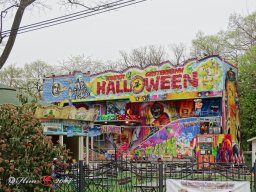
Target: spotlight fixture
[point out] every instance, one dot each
(199, 94)
(207, 94)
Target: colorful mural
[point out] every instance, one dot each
(232, 113)
(155, 82)
(67, 87)
(176, 138)
(224, 151)
(154, 116)
(159, 113)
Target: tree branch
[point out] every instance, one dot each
(2, 16)
(13, 35)
(14, 30)
(244, 30)
(80, 4)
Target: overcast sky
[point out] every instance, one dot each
(154, 22)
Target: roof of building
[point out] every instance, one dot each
(252, 139)
(8, 95)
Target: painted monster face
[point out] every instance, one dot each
(156, 110)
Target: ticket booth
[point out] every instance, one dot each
(205, 147)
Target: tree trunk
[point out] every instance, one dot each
(13, 35)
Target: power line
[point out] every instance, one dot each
(65, 16)
(46, 22)
(74, 16)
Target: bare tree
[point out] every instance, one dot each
(80, 63)
(142, 56)
(178, 51)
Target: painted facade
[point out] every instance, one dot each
(157, 110)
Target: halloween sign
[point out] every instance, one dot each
(155, 82)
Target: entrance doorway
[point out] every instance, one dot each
(72, 143)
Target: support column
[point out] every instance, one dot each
(87, 150)
(92, 148)
(81, 148)
(61, 140)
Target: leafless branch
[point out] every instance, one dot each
(179, 53)
(75, 2)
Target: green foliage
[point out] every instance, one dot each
(34, 73)
(206, 44)
(242, 31)
(24, 150)
(247, 89)
(9, 76)
(231, 43)
(29, 79)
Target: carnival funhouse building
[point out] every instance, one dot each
(160, 110)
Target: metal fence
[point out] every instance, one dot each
(119, 175)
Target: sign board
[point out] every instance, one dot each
(173, 185)
(63, 127)
(111, 129)
(52, 127)
(155, 82)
